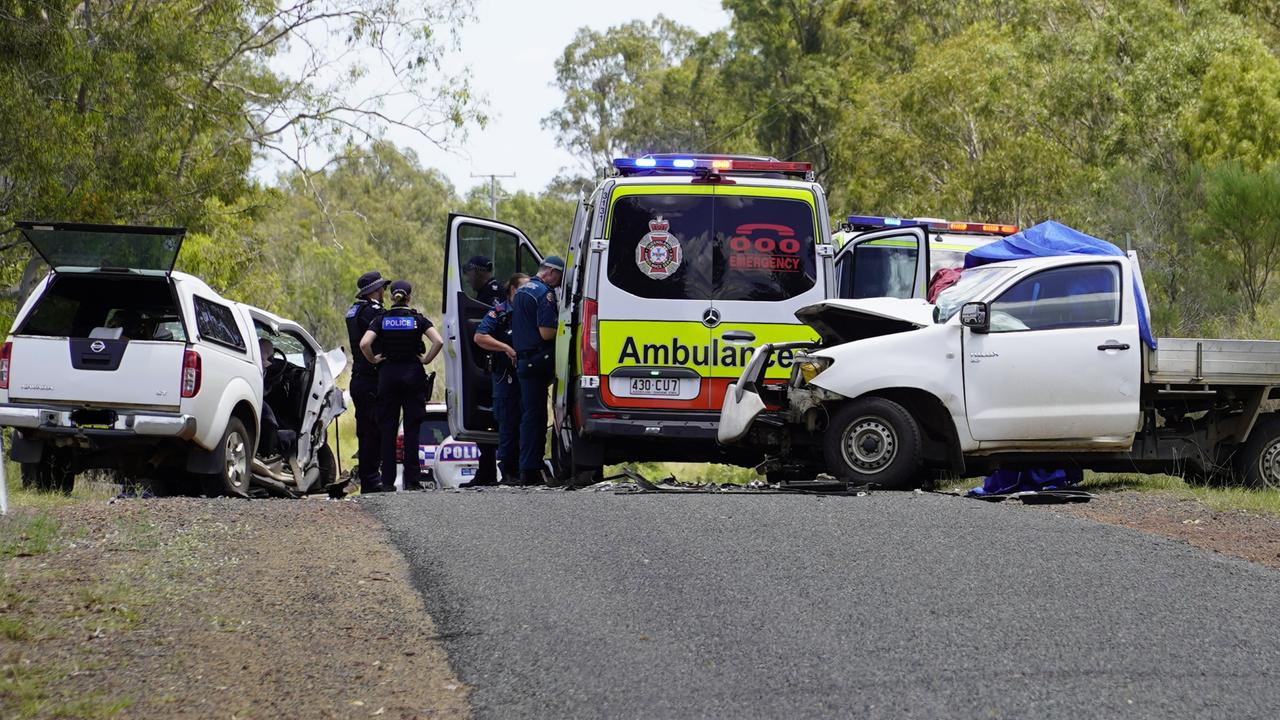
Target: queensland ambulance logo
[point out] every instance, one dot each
(658, 254)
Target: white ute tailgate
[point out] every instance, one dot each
(149, 374)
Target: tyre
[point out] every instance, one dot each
(235, 456)
(571, 472)
(327, 462)
(53, 473)
(874, 441)
(1257, 462)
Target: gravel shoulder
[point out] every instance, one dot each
(1237, 533)
(195, 608)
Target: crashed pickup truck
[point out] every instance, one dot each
(1029, 363)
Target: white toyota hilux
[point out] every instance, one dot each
(1035, 363)
(116, 361)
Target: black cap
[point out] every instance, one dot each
(478, 262)
(370, 282)
(401, 286)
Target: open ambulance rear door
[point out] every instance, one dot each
(468, 389)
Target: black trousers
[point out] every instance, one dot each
(402, 388)
(364, 393)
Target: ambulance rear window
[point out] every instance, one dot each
(703, 247)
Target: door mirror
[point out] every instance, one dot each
(975, 316)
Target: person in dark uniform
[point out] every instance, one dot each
(364, 378)
(479, 273)
(494, 335)
(533, 329)
(394, 342)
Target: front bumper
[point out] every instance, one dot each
(59, 421)
(743, 402)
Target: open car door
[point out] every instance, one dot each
(468, 389)
(885, 263)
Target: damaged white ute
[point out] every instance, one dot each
(1029, 363)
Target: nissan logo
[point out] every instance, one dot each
(97, 346)
(711, 317)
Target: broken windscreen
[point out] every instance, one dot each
(72, 247)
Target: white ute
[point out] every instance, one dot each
(116, 361)
(1032, 363)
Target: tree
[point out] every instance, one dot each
(1242, 226)
(1237, 114)
(603, 76)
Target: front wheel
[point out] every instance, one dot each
(874, 441)
(1257, 462)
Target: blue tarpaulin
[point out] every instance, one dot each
(1053, 239)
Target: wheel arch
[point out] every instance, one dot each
(942, 440)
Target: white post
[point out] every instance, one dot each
(4, 482)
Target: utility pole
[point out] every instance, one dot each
(493, 190)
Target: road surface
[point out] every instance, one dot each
(589, 604)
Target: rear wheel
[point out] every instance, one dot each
(234, 457)
(874, 441)
(53, 473)
(1257, 462)
(571, 471)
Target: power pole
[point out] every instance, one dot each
(493, 190)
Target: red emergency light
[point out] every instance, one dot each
(702, 164)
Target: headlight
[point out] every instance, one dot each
(811, 366)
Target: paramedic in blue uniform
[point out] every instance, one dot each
(479, 273)
(394, 342)
(534, 318)
(494, 336)
(364, 377)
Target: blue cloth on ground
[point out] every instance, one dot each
(1053, 239)
(1002, 482)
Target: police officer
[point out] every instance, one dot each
(479, 273)
(364, 378)
(394, 342)
(494, 335)
(533, 329)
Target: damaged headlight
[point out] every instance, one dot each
(810, 366)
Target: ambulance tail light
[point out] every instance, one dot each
(191, 372)
(590, 351)
(6, 359)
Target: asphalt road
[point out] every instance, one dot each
(560, 605)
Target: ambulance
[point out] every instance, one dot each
(677, 268)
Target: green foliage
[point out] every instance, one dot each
(1237, 116)
(1242, 227)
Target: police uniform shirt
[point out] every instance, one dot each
(399, 333)
(490, 293)
(493, 321)
(534, 307)
(359, 317)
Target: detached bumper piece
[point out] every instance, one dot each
(97, 423)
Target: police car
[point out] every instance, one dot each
(677, 268)
(445, 462)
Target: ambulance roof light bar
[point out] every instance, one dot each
(664, 164)
(875, 222)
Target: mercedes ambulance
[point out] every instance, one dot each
(677, 268)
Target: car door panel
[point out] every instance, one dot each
(468, 391)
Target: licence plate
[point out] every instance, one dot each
(655, 387)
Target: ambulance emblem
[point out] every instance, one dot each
(658, 254)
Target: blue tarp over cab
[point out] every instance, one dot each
(1053, 239)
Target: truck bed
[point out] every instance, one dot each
(1198, 361)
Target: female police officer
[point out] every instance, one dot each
(494, 335)
(394, 343)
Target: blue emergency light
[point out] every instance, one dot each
(660, 164)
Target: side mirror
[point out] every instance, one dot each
(975, 316)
